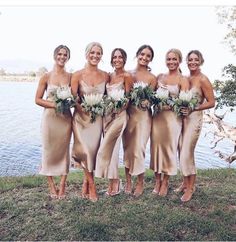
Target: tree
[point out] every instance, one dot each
(227, 16)
(226, 89)
(2, 72)
(41, 71)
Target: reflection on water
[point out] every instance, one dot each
(20, 140)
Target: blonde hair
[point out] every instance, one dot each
(91, 45)
(177, 52)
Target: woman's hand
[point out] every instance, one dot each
(145, 104)
(186, 111)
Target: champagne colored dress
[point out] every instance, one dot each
(192, 126)
(135, 138)
(87, 135)
(56, 134)
(108, 153)
(165, 134)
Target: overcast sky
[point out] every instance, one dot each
(32, 33)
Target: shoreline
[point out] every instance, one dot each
(19, 78)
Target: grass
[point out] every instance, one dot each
(27, 213)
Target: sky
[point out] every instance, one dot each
(30, 33)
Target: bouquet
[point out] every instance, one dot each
(64, 99)
(94, 104)
(160, 98)
(186, 99)
(115, 101)
(141, 95)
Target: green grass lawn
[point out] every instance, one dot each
(27, 212)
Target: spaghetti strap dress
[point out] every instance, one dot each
(56, 134)
(108, 153)
(165, 134)
(87, 135)
(192, 126)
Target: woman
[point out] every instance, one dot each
(114, 125)
(166, 126)
(203, 90)
(56, 127)
(138, 127)
(87, 135)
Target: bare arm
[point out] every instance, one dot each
(75, 83)
(207, 89)
(153, 83)
(42, 87)
(184, 84)
(128, 82)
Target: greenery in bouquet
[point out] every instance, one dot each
(141, 95)
(64, 100)
(94, 105)
(160, 98)
(115, 101)
(186, 99)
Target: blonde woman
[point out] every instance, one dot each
(87, 135)
(166, 126)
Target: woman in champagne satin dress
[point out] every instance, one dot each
(56, 127)
(166, 126)
(202, 88)
(138, 128)
(87, 135)
(114, 125)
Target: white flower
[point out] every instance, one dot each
(92, 99)
(162, 93)
(186, 95)
(117, 94)
(140, 84)
(64, 92)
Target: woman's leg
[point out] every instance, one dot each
(157, 187)
(115, 187)
(164, 186)
(183, 186)
(128, 184)
(92, 187)
(139, 185)
(190, 188)
(62, 188)
(52, 187)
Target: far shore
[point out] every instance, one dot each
(19, 78)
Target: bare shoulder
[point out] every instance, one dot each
(204, 78)
(77, 76)
(184, 79)
(44, 78)
(152, 76)
(105, 75)
(127, 74)
(160, 76)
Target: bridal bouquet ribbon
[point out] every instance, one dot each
(115, 101)
(93, 104)
(141, 95)
(185, 99)
(64, 99)
(160, 98)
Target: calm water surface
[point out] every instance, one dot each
(20, 138)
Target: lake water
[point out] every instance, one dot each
(20, 138)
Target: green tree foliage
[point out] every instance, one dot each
(227, 17)
(226, 90)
